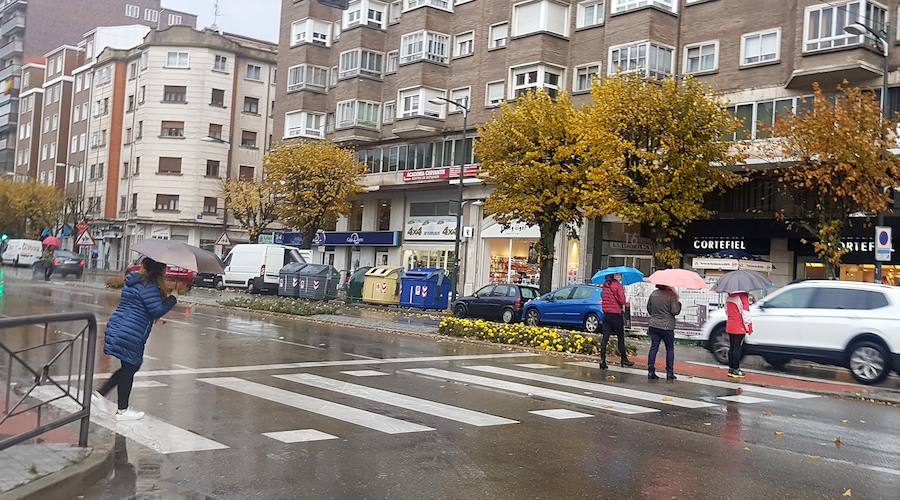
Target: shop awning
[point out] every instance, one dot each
(515, 230)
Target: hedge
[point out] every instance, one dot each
(279, 305)
(117, 282)
(541, 337)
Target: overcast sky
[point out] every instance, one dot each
(255, 18)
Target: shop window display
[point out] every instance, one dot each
(442, 259)
(514, 261)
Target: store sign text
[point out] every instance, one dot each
(431, 228)
(727, 244)
(438, 174)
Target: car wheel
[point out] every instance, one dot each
(251, 287)
(533, 317)
(219, 285)
(719, 345)
(459, 310)
(777, 361)
(508, 316)
(79, 275)
(592, 323)
(868, 362)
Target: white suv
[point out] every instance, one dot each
(850, 324)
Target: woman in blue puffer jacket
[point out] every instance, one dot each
(145, 299)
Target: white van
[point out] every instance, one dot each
(255, 266)
(22, 252)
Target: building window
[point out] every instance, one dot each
(140, 129)
(132, 11)
(418, 102)
(540, 16)
(311, 31)
(824, 24)
(212, 168)
(246, 173)
(251, 105)
(178, 60)
(360, 62)
(174, 19)
(438, 4)
(375, 14)
(495, 94)
(167, 202)
(130, 107)
(134, 198)
(172, 93)
(390, 111)
(248, 139)
(647, 59)
(584, 77)
(132, 70)
(143, 94)
(464, 44)
(145, 63)
(151, 15)
(760, 47)
(172, 129)
(358, 114)
(532, 78)
(217, 98)
(254, 72)
(368, 12)
(393, 60)
(129, 135)
(104, 75)
(304, 124)
(499, 36)
(758, 118)
(215, 131)
(210, 205)
(221, 64)
(169, 165)
(137, 167)
(424, 45)
(701, 57)
(626, 5)
(590, 13)
(304, 75)
(460, 96)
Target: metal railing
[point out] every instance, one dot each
(71, 362)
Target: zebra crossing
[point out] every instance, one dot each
(337, 399)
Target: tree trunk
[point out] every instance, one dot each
(254, 236)
(308, 239)
(546, 249)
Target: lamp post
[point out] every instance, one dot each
(882, 37)
(454, 285)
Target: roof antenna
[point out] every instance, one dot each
(216, 13)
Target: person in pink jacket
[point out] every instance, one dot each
(738, 324)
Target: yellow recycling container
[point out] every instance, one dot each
(382, 285)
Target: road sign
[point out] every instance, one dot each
(883, 243)
(84, 240)
(81, 227)
(224, 240)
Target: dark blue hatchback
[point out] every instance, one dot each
(495, 302)
(575, 306)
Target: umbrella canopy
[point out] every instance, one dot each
(51, 241)
(630, 275)
(175, 253)
(678, 278)
(742, 281)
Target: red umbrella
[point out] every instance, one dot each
(52, 241)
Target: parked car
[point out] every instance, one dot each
(173, 273)
(209, 280)
(22, 252)
(66, 263)
(571, 306)
(495, 302)
(841, 323)
(255, 266)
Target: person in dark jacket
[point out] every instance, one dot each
(613, 304)
(144, 300)
(662, 306)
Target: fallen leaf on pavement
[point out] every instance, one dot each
(610, 377)
(707, 423)
(844, 421)
(767, 413)
(837, 441)
(847, 493)
(779, 433)
(667, 398)
(739, 391)
(812, 457)
(746, 449)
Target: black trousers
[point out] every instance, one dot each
(613, 324)
(736, 343)
(122, 379)
(667, 337)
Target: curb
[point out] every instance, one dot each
(73, 480)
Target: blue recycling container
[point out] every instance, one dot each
(425, 288)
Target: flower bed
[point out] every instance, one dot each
(285, 306)
(548, 339)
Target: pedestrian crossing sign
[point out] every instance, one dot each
(84, 240)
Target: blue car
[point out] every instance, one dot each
(576, 306)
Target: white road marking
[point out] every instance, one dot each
(150, 431)
(536, 366)
(265, 338)
(744, 399)
(425, 406)
(176, 365)
(299, 436)
(788, 375)
(592, 386)
(167, 320)
(560, 414)
(533, 390)
(360, 356)
(710, 382)
(364, 373)
(320, 364)
(337, 411)
(147, 384)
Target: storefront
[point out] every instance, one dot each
(858, 264)
(510, 254)
(429, 236)
(624, 245)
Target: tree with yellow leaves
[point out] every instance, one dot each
(529, 154)
(26, 208)
(836, 160)
(253, 204)
(653, 152)
(314, 181)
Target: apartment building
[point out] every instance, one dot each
(29, 29)
(372, 77)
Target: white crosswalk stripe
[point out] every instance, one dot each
(560, 414)
(336, 411)
(533, 390)
(744, 399)
(299, 436)
(400, 400)
(714, 383)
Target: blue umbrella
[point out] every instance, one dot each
(630, 275)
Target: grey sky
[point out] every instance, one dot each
(254, 18)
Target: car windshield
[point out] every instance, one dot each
(528, 293)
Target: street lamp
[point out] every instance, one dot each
(882, 37)
(456, 265)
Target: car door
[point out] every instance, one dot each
(553, 311)
(780, 317)
(499, 300)
(477, 305)
(577, 306)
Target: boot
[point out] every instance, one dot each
(603, 365)
(671, 376)
(627, 362)
(651, 375)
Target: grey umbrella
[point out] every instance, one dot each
(742, 281)
(175, 253)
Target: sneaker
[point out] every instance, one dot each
(101, 403)
(735, 374)
(128, 414)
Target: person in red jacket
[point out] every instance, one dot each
(613, 304)
(737, 309)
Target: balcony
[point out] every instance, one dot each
(11, 70)
(17, 22)
(858, 65)
(7, 121)
(10, 49)
(418, 126)
(354, 135)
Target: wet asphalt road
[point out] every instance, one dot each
(444, 427)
